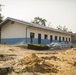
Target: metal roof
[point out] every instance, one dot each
(32, 24)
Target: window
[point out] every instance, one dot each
(69, 39)
(59, 39)
(12, 22)
(32, 35)
(63, 39)
(45, 36)
(51, 38)
(55, 37)
(66, 39)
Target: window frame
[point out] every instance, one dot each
(66, 39)
(63, 38)
(32, 35)
(56, 38)
(69, 39)
(12, 22)
(59, 38)
(51, 38)
(46, 36)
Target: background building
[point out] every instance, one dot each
(74, 37)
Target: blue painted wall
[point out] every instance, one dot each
(18, 40)
(35, 40)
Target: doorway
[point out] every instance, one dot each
(39, 38)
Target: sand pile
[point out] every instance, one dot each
(55, 58)
(6, 57)
(35, 64)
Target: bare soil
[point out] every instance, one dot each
(23, 61)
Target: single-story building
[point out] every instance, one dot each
(73, 37)
(14, 31)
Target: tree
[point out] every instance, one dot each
(43, 22)
(65, 28)
(59, 27)
(1, 18)
(40, 21)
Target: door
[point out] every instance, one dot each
(51, 38)
(31, 37)
(59, 39)
(39, 38)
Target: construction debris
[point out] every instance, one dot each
(35, 64)
(55, 46)
(4, 70)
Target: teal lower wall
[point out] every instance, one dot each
(35, 40)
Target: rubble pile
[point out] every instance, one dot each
(4, 70)
(55, 58)
(55, 46)
(35, 64)
(6, 57)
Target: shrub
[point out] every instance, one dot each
(3, 42)
(37, 47)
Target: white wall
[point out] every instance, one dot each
(16, 30)
(43, 32)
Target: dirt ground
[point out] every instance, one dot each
(33, 62)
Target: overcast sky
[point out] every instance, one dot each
(58, 12)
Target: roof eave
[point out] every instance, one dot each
(34, 25)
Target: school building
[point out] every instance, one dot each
(14, 31)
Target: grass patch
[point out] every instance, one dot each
(37, 47)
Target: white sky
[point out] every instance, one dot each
(59, 12)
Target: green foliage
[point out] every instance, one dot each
(59, 27)
(40, 21)
(1, 18)
(37, 47)
(3, 42)
(64, 28)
